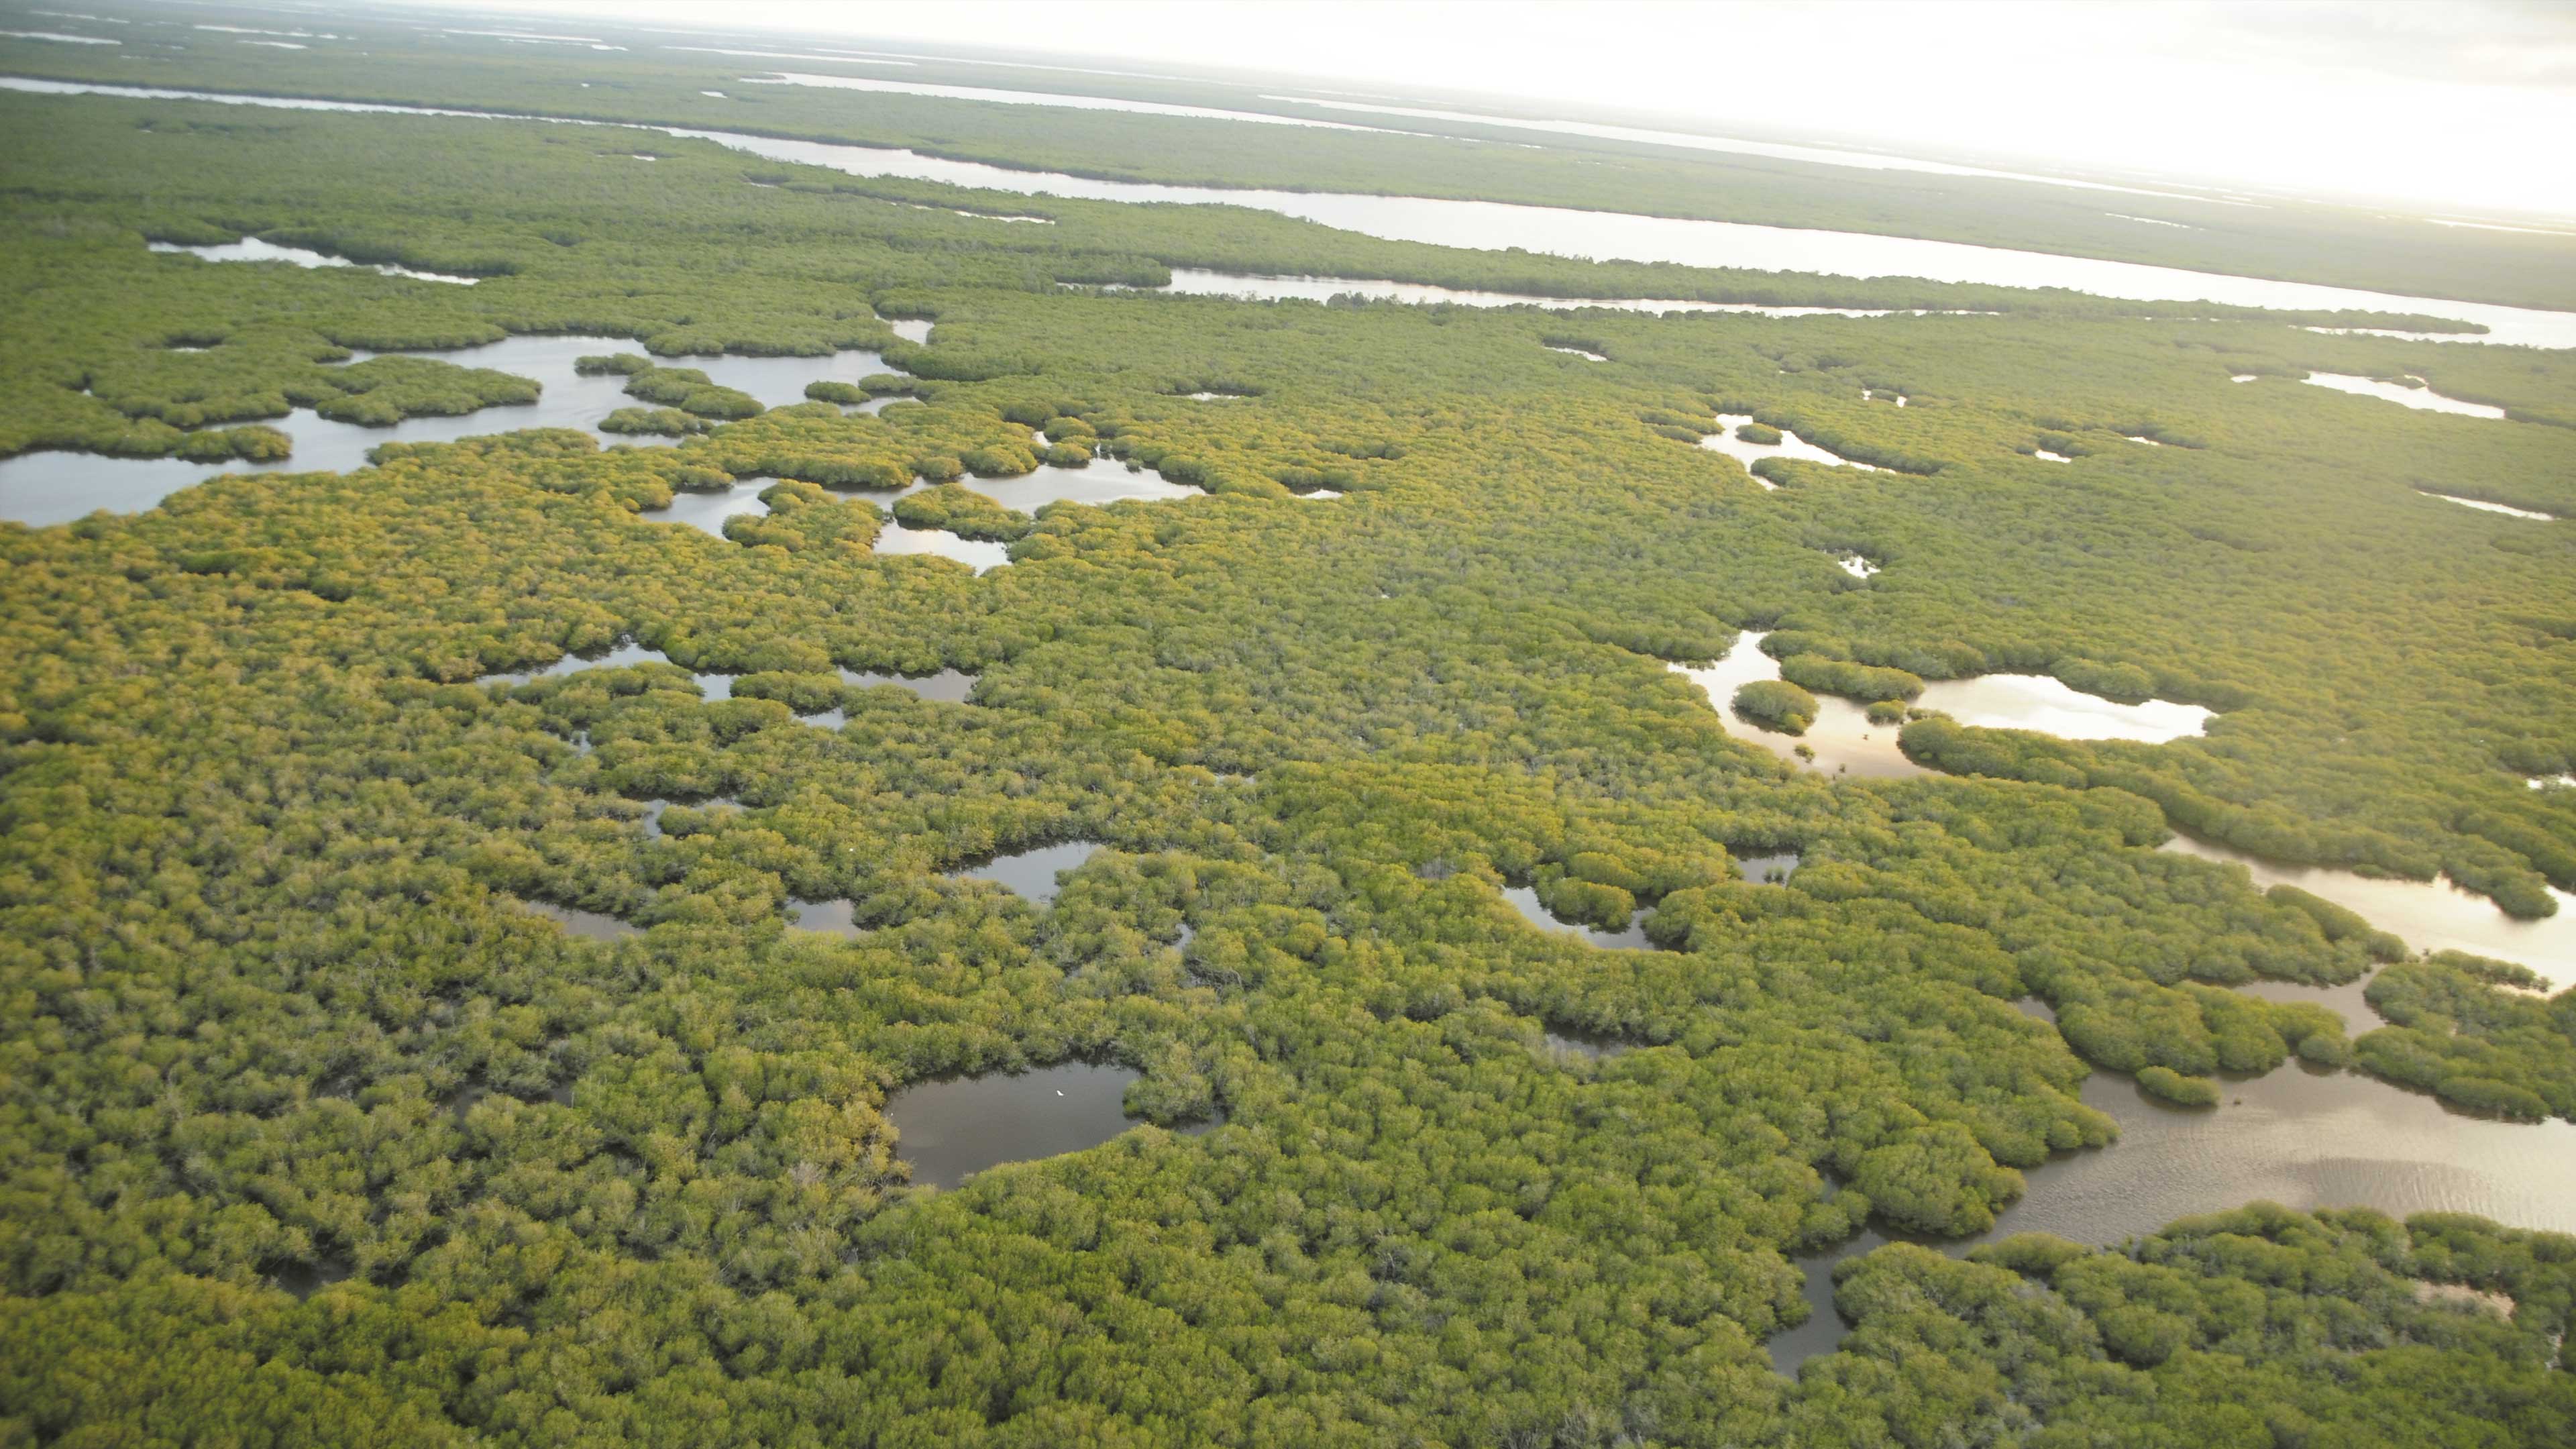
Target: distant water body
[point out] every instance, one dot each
(1491, 225)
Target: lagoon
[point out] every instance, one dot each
(950, 1130)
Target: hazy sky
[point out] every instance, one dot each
(2465, 104)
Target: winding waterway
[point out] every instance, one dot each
(1491, 225)
(1631, 937)
(1198, 282)
(2419, 396)
(252, 249)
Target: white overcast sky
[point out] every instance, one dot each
(2466, 105)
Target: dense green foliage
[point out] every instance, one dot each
(1776, 704)
(307, 1122)
(2174, 1087)
(2454, 1034)
(2247, 1330)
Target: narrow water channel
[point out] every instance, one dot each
(1631, 937)
(1191, 282)
(626, 654)
(252, 249)
(2418, 396)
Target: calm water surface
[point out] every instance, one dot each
(710, 686)
(1736, 145)
(981, 555)
(1033, 872)
(1101, 482)
(948, 685)
(1842, 740)
(777, 381)
(951, 1130)
(591, 925)
(1767, 869)
(2484, 506)
(56, 486)
(1790, 445)
(1046, 98)
(2397, 392)
(830, 918)
(1632, 938)
(2298, 1137)
(252, 249)
(1193, 282)
(707, 509)
(2038, 702)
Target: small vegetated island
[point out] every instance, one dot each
(463, 928)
